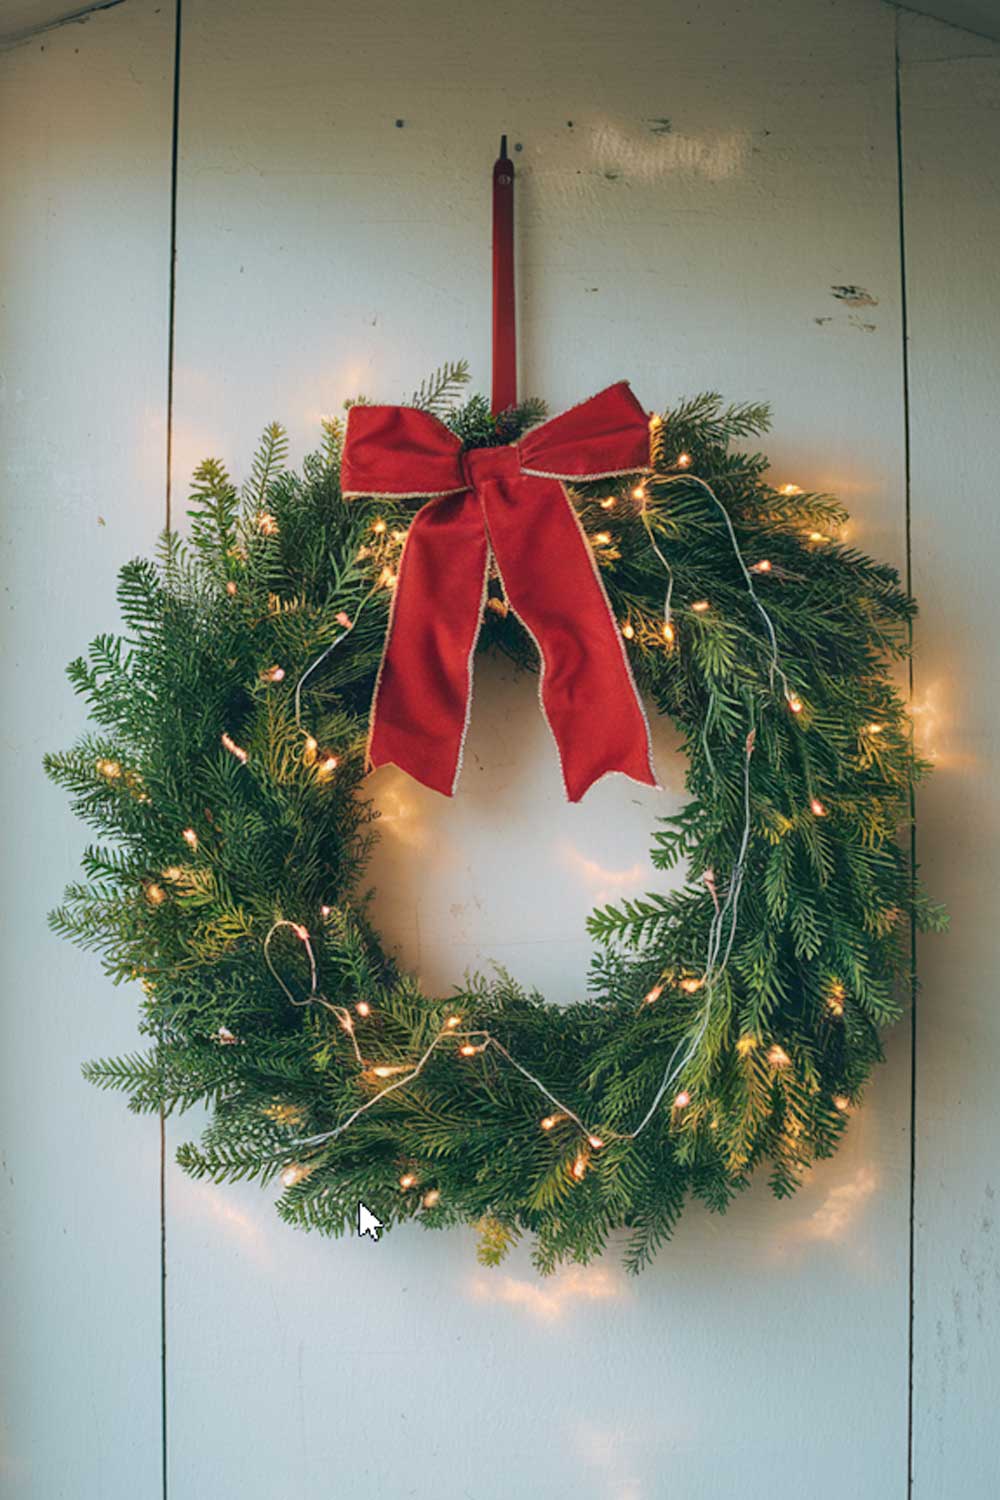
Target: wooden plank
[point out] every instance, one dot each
(694, 186)
(951, 136)
(85, 178)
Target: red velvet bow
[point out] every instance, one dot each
(504, 502)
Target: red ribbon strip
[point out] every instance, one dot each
(505, 502)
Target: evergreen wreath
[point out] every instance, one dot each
(231, 885)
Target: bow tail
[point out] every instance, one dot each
(421, 704)
(552, 584)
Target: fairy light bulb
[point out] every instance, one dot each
(683, 1100)
(398, 537)
(653, 995)
(764, 566)
(407, 1181)
(639, 493)
(595, 1141)
(237, 750)
(452, 1021)
(293, 1174)
(363, 1008)
(669, 633)
(329, 763)
(790, 489)
(628, 631)
(817, 536)
(343, 618)
(225, 1037)
(155, 894)
(602, 538)
(389, 1070)
(267, 524)
(817, 809)
(841, 1102)
(691, 986)
(794, 703)
(874, 728)
(190, 838)
(579, 1167)
(432, 1198)
(325, 911)
(273, 674)
(379, 527)
(230, 588)
(778, 1057)
(387, 578)
(609, 503)
(700, 606)
(172, 872)
(467, 1050)
(683, 460)
(655, 420)
(548, 1123)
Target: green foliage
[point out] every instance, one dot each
(821, 952)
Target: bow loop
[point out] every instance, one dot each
(400, 452)
(609, 434)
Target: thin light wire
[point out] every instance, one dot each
(345, 632)
(689, 1045)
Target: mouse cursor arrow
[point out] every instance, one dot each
(368, 1223)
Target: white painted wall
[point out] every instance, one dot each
(323, 250)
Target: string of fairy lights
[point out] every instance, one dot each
(388, 1078)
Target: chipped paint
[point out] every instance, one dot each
(854, 296)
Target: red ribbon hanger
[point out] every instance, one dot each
(507, 504)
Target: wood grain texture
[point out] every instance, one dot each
(693, 186)
(951, 135)
(84, 179)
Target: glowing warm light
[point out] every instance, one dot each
(683, 1100)
(817, 809)
(691, 986)
(293, 1174)
(329, 763)
(745, 1044)
(549, 1122)
(609, 503)
(669, 633)
(778, 1057)
(431, 1199)
(273, 674)
(683, 460)
(655, 419)
(764, 566)
(595, 1141)
(653, 995)
(841, 1102)
(190, 837)
(602, 538)
(230, 744)
(817, 536)
(874, 728)
(639, 493)
(790, 489)
(225, 1037)
(155, 894)
(628, 631)
(385, 1070)
(363, 1008)
(794, 703)
(387, 578)
(379, 527)
(452, 1021)
(468, 1050)
(700, 606)
(407, 1181)
(267, 524)
(300, 931)
(173, 872)
(110, 768)
(325, 911)
(579, 1167)
(399, 536)
(230, 588)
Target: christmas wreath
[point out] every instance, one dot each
(730, 1023)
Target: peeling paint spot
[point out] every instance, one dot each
(854, 296)
(660, 126)
(821, 321)
(860, 324)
